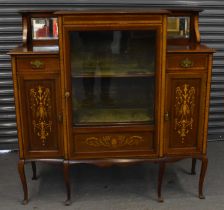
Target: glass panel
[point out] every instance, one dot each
(178, 27)
(45, 28)
(113, 76)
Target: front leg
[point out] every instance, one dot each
(22, 175)
(204, 164)
(160, 180)
(67, 182)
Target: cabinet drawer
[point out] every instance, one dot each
(37, 63)
(187, 61)
(112, 144)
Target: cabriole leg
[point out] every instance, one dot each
(160, 180)
(204, 164)
(22, 175)
(34, 169)
(67, 182)
(193, 166)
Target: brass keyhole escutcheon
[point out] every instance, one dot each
(186, 63)
(37, 64)
(67, 94)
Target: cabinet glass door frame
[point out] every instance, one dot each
(159, 71)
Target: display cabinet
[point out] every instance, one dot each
(106, 86)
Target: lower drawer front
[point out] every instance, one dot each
(113, 144)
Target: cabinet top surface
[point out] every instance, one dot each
(191, 48)
(36, 50)
(113, 11)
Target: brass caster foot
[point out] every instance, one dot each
(68, 202)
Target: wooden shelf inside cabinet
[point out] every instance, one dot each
(113, 116)
(92, 75)
(113, 124)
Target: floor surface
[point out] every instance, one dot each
(115, 188)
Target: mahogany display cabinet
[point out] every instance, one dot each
(111, 86)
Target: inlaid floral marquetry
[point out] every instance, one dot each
(184, 109)
(40, 98)
(114, 142)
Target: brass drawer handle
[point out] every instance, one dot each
(37, 64)
(186, 63)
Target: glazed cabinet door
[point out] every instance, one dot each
(41, 115)
(184, 113)
(112, 79)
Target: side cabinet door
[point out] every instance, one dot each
(184, 113)
(41, 115)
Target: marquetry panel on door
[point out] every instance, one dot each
(185, 99)
(41, 115)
